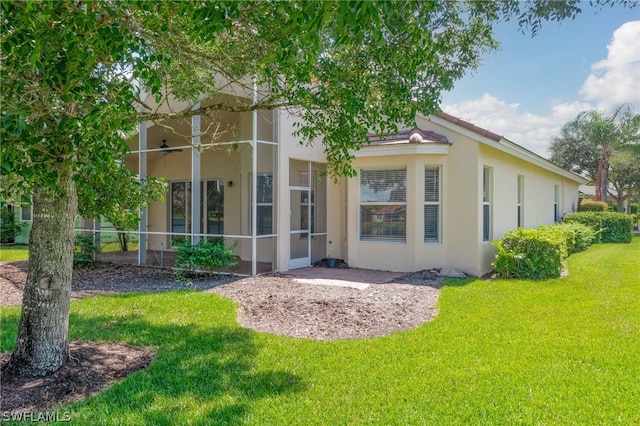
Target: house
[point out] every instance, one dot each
(429, 197)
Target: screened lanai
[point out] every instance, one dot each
(221, 176)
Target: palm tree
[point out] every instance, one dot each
(603, 134)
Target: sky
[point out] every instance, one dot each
(531, 87)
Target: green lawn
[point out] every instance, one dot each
(21, 252)
(14, 252)
(563, 351)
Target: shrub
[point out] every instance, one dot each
(561, 233)
(634, 208)
(590, 219)
(531, 254)
(593, 206)
(205, 256)
(84, 251)
(9, 228)
(584, 235)
(610, 227)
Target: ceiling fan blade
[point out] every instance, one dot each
(166, 149)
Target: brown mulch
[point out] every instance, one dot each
(93, 367)
(280, 305)
(272, 303)
(100, 278)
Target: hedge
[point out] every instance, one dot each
(592, 206)
(610, 227)
(531, 253)
(584, 235)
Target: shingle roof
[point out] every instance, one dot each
(479, 130)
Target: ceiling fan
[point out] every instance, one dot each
(166, 149)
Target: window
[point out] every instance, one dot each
(486, 203)
(25, 210)
(431, 204)
(556, 203)
(211, 205)
(520, 212)
(180, 205)
(264, 220)
(383, 207)
(212, 199)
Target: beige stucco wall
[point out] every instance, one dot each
(462, 246)
(414, 253)
(538, 199)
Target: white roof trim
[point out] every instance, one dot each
(401, 149)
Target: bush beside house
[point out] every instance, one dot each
(610, 227)
(539, 254)
(531, 253)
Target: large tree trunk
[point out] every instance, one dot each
(43, 343)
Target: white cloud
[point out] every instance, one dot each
(532, 131)
(616, 79)
(612, 81)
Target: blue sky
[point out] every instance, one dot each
(531, 87)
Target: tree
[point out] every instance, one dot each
(587, 143)
(72, 73)
(624, 176)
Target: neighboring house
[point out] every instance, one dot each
(429, 197)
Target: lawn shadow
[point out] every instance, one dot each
(203, 373)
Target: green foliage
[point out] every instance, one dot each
(583, 235)
(84, 251)
(594, 142)
(634, 208)
(593, 206)
(610, 227)
(9, 226)
(204, 256)
(531, 253)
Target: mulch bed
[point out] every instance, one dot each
(93, 367)
(283, 306)
(271, 303)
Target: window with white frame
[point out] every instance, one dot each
(556, 203)
(383, 204)
(431, 204)
(487, 182)
(520, 210)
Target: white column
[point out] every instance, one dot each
(254, 184)
(142, 174)
(196, 222)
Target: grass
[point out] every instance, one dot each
(14, 252)
(21, 252)
(561, 351)
(115, 246)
